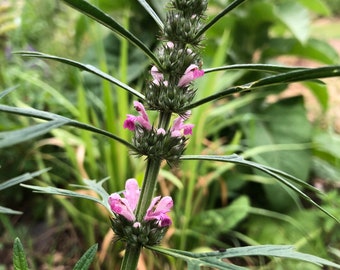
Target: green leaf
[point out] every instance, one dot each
(320, 92)
(254, 67)
(93, 12)
(277, 174)
(214, 259)
(86, 260)
(217, 221)
(295, 17)
(152, 13)
(318, 6)
(7, 91)
(15, 181)
(86, 67)
(8, 211)
(282, 78)
(19, 257)
(9, 138)
(89, 184)
(219, 16)
(313, 49)
(51, 116)
(22, 178)
(269, 127)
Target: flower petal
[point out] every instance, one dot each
(190, 74)
(129, 123)
(120, 206)
(132, 192)
(158, 207)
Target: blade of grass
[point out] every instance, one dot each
(229, 8)
(86, 67)
(98, 15)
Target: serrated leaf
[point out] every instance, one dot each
(215, 259)
(19, 257)
(85, 67)
(277, 174)
(86, 260)
(89, 184)
(9, 138)
(98, 15)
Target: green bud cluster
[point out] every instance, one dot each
(147, 233)
(158, 146)
(190, 7)
(181, 28)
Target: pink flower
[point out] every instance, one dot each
(156, 75)
(142, 119)
(190, 74)
(158, 209)
(179, 128)
(129, 123)
(126, 206)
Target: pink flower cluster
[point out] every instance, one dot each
(190, 74)
(126, 206)
(178, 129)
(142, 119)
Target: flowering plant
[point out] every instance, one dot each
(138, 217)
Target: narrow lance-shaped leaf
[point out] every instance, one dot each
(283, 78)
(9, 138)
(19, 257)
(89, 184)
(152, 13)
(9, 211)
(219, 16)
(214, 259)
(255, 67)
(15, 181)
(85, 67)
(86, 260)
(272, 172)
(104, 19)
(7, 91)
(51, 116)
(22, 178)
